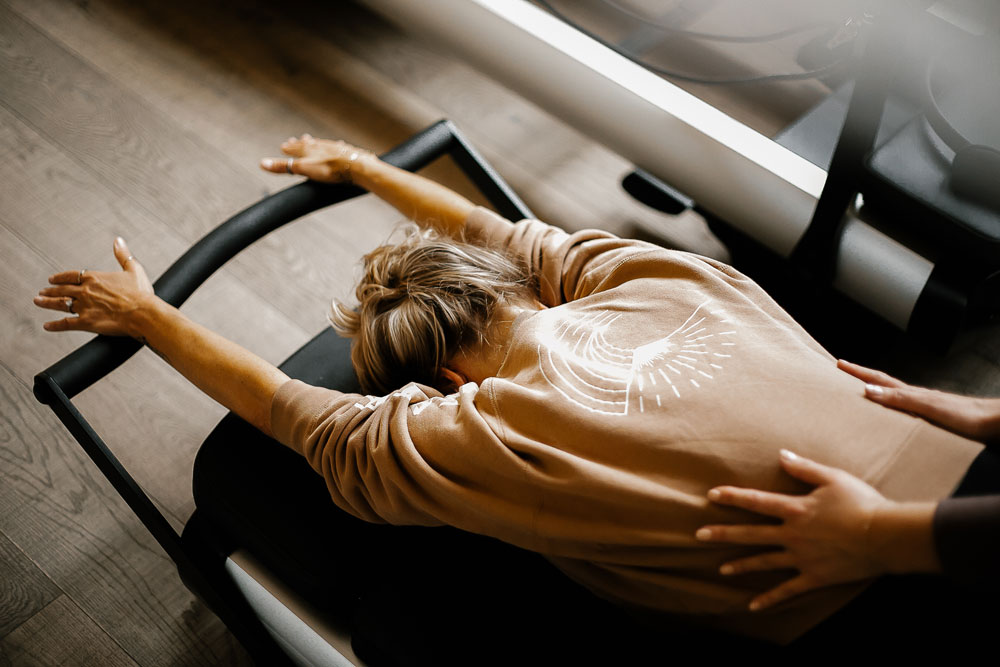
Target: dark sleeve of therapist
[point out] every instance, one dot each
(967, 536)
(845, 530)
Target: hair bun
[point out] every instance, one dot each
(420, 302)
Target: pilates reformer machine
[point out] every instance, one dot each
(455, 598)
(382, 595)
(858, 194)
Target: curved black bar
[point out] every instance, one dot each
(95, 359)
(489, 182)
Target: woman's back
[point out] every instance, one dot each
(653, 376)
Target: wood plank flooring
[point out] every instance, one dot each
(146, 119)
(81, 643)
(26, 591)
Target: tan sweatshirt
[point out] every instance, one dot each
(653, 376)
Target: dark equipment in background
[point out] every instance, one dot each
(910, 141)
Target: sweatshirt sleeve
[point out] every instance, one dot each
(565, 266)
(967, 537)
(414, 457)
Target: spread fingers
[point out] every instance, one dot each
(762, 502)
(62, 291)
(774, 560)
(294, 147)
(741, 534)
(279, 165)
(61, 303)
(65, 324)
(869, 375)
(67, 278)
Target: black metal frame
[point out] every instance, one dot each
(875, 53)
(961, 289)
(58, 384)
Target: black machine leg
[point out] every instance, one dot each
(224, 599)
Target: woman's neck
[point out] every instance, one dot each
(478, 362)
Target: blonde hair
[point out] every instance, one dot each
(420, 302)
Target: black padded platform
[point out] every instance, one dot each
(409, 595)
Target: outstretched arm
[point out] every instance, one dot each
(122, 303)
(427, 203)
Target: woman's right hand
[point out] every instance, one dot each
(968, 416)
(318, 159)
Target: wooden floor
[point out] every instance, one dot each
(146, 119)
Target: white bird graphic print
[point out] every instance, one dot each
(580, 360)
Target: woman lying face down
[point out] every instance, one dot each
(572, 394)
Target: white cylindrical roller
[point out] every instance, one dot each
(732, 171)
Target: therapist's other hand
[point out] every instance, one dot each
(825, 535)
(318, 159)
(968, 416)
(104, 302)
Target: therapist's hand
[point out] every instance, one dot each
(843, 531)
(968, 416)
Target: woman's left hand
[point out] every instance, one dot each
(326, 160)
(824, 535)
(104, 302)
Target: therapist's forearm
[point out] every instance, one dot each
(229, 373)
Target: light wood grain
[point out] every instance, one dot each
(146, 119)
(74, 217)
(24, 589)
(155, 161)
(565, 177)
(55, 506)
(103, 128)
(81, 643)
